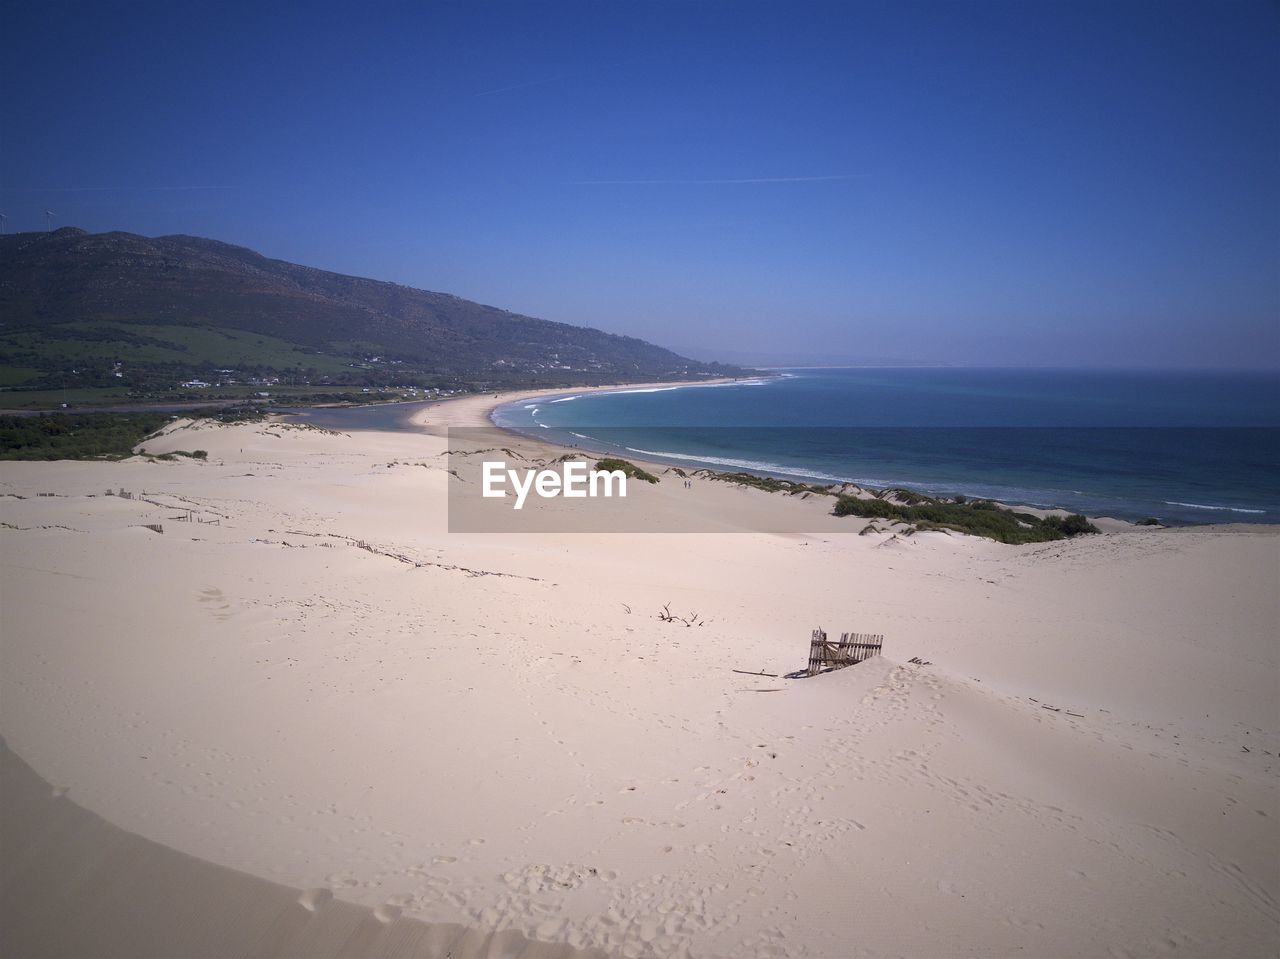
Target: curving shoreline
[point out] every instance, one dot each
(475, 412)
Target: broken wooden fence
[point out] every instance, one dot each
(853, 648)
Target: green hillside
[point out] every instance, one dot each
(121, 314)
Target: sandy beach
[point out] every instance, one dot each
(306, 719)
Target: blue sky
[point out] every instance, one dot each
(979, 183)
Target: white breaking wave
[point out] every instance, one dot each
(656, 389)
(685, 386)
(741, 464)
(647, 389)
(1227, 509)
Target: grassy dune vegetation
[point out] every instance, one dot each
(976, 517)
(919, 511)
(609, 464)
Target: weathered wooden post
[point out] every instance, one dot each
(817, 648)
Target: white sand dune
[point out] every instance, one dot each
(315, 684)
(75, 885)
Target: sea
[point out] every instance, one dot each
(1182, 447)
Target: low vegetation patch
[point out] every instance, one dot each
(174, 454)
(609, 464)
(919, 511)
(234, 414)
(975, 517)
(87, 436)
(76, 436)
(770, 484)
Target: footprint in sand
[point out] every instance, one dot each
(314, 900)
(387, 913)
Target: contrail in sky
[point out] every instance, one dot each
(107, 189)
(758, 179)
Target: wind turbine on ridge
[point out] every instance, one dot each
(48, 219)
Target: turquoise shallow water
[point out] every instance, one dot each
(1184, 447)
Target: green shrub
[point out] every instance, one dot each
(868, 508)
(770, 484)
(979, 518)
(1073, 525)
(609, 464)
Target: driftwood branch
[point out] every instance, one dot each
(669, 617)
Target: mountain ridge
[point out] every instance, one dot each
(69, 286)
